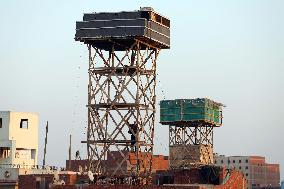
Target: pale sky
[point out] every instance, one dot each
(229, 50)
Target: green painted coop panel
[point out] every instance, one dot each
(191, 110)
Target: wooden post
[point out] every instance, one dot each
(45, 143)
(69, 162)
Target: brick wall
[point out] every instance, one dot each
(159, 162)
(43, 180)
(130, 187)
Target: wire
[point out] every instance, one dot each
(161, 144)
(161, 87)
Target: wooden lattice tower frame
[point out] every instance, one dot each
(123, 49)
(188, 136)
(191, 130)
(121, 93)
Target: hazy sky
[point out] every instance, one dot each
(229, 50)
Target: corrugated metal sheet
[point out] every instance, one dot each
(111, 15)
(110, 32)
(111, 23)
(124, 26)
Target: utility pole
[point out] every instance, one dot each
(45, 142)
(69, 162)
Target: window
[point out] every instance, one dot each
(240, 161)
(24, 124)
(4, 152)
(234, 161)
(247, 174)
(222, 161)
(240, 167)
(33, 153)
(246, 167)
(0, 122)
(247, 161)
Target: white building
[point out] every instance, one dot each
(18, 139)
(258, 173)
(18, 146)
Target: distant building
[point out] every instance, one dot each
(258, 173)
(282, 185)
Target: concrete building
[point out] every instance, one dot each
(18, 139)
(18, 146)
(258, 173)
(282, 185)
